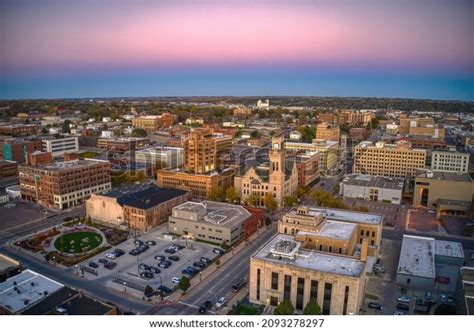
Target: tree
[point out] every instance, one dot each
(312, 308)
(290, 201)
(148, 291)
(302, 191)
(184, 284)
(66, 127)
(217, 194)
(218, 263)
(255, 134)
(139, 132)
(374, 123)
(44, 130)
(284, 308)
(252, 200)
(231, 195)
(268, 221)
(270, 203)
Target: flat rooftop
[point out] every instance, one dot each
(417, 257)
(315, 144)
(337, 230)
(282, 249)
(216, 213)
(6, 262)
(374, 181)
(24, 290)
(442, 175)
(340, 215)
(67, 165)
(449, 249)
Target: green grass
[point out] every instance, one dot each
(74, 242)
(88, 155)
(246, 310)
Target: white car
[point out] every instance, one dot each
(221, 302)
(404, 298)
(111, 256)
(175, 280)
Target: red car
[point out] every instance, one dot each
(442, 280)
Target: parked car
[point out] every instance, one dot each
(218, 251)
(238, 285)
(173, 258)
(94, 265)
(428, 296)
(205, 260)
(134, 252)
(164, 290)
(155, 269)
(170, 250)
(450, 299)
(177, 247)
(160, 257)
(402, 306)
(147, 274)
(138, 242)
(199, 265)
(118, 252)
(221, 302)
(103, 261)
(175, 280)
(375, 305)
(111, 256)
(165, 264)
(205, 306)
(110, 265)
(404, 298)
(151, 242)
(399, 312)
(443, 298)
(144, 266)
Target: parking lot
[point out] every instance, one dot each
(127, 266)
(393, 215)
(423, 220)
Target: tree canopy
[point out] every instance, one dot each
(284, 308)
(312, 308)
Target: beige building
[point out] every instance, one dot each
(328, 131)
(210, 221)
(278, 178)
(153, 122)
(450, 160)
(421, 126)
(447, 192)
(329, 152)
(317, 255)
(390, 160)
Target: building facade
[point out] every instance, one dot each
(19, 130)
(328, 131)
(122, 144)
(161, 157)
(18, 149)
(389, 160)
(62, 185)
(8, 169)
(153, 123)
(329, 152)
(373, 188)
(60, 146)
(451, 161)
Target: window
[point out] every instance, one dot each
(346, 300)
(287, 288)
(274, 281)
(327, 298)
(299, 293)
(313, 294)
(258, 284)
(373, 233)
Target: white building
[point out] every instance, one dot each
(392, 129)
(295, 135)
(168, 157)
(374, 188)
(451, 161)
(263, 104)
(59, 146)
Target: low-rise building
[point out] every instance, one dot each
(18, 149)
(8, 267)
(217, 222)
(329, 152)
(122, 144)
(139, 207)
(450, 160)
(162, 157)
(373, 188)
(19, 130)
(153, 122)
(61, 145)
(423, 261)
(39, 157)
(447, 192)
(308, 165)
(328, 131)
(8, 169)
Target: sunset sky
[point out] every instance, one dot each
(397, 48)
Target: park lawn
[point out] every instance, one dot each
(63, 242)
(246, 310)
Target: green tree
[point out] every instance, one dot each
(44, 130)
(312, 308)
(284, 308)
(270, 203)
(139, 132)
(148, 291)
(66, 126)
(374, 123)
(218, 263)
(290, 201)
(216, 194)
(255, 134)
(252, 200)
(231, 195)
(184, 284)
(302, 191)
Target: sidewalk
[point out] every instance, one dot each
(177, 295)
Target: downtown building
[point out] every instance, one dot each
(329, 152)
(328, 131)
(372, 188)
(65, 184)
(153, 123)
(398, 160)
(320, 254)
(60, 146)
(450, 160)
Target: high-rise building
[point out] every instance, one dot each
(450, 160)
(320, 254)
(327, 131)
(390, 160)
(64, 184)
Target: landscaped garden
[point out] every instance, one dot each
(78, 242)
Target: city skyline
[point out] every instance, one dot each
(188, 48)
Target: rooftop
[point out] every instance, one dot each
(216, 213)
(282, 249)
(374, 181)
(340, 215)
(24, 290)
(337, 230)
(317, 143)
(449, 249)
(67, 165)
(441, 175)
(417, 257)
(6, 262)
